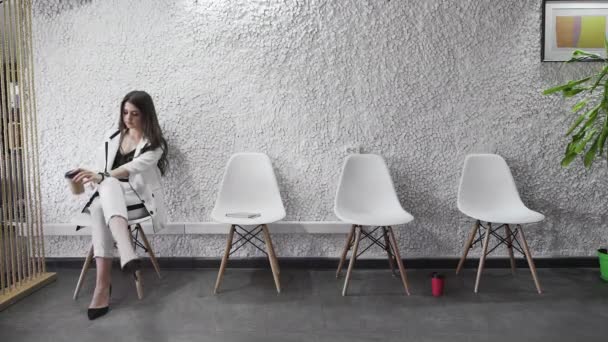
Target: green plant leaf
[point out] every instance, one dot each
(576, 123)
(564, 86)
(591, 153)
(575, 140)
(592, 117)
(568, 159)
(591, 134)
(579, 105)
(582, 117)
(599, 78)
(580, 145)
(577, 59)
(581, 53)
(591, 58)
(573, 91)
(603, 136)
(579, 135)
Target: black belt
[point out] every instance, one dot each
(135, 206)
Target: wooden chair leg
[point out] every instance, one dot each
(467, 246)
(353, 257)
(510, 248)
(139, 284)
(482, 259)
(345, 250)
(220, 274)
(274, 253)
(150, 251)
(391, 261)
(530, 261)
(399, 260)
(83, 273)
(274, 263)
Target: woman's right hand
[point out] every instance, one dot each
(87, 176)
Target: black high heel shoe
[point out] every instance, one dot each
(98, 312)
(132, 266)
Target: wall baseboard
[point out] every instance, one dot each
(179, 228)
(331, 263)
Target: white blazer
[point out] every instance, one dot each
(144, 177)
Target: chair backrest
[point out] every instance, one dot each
(365, 184)
(249, 185)
(486, 183)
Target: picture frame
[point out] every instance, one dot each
(572, 25)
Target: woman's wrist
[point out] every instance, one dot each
(99, 177)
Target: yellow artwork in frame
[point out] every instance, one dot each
(571, 25)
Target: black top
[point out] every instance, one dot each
(122, 159)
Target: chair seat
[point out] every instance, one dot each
(267, 216)
(517, 215)
(376, 217)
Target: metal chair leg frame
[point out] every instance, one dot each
(248, 238)
(373, 240)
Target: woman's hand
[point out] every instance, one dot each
(86, 176)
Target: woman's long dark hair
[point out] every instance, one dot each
(152, 132)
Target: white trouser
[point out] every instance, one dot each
(114, 196)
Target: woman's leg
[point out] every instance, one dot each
(120, 231)
(112, 199)
(101, 295)
(103, 250)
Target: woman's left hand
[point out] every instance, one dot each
(86, 176)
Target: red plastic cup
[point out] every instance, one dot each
(437, 284)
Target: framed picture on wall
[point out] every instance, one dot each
(572, 25)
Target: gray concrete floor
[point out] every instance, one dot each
(182, 307)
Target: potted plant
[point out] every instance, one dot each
(590, 128)
(591, 124)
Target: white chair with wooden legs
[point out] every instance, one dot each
(366, 197)
(137, 232)
(249, 197)
(487, 193)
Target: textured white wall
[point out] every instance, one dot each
(422, 83)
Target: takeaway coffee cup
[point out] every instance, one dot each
(437, 284)
(76, 188)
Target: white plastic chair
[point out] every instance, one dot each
(487, 192)
(366, 197)
(137, 216)
(249, 186)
